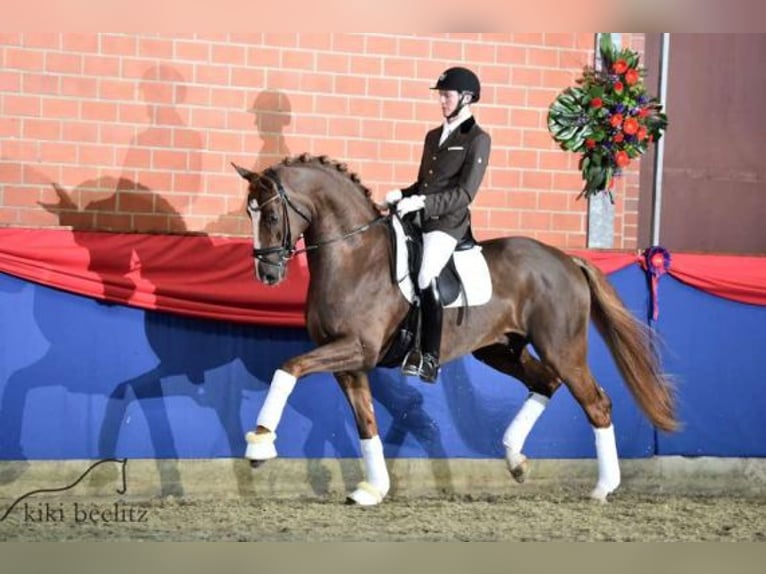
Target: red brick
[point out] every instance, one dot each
(479, 52)
(155, 48)
(503, 220)
(101, 66)
(98, 111)
(95, 155)
(351, 85)
(404, 68)
(23, 59)
(21, 106)
(247, 77)
(382, 88)
(298, 60)
(263, 56)
(529, 77)
(414, 47)
(344, 127)
(527, 118)
(79, 87)
(380, 45)
(228, 54)
(224, 141)
(41, 83)
(282, 40)
(116, 89)
(560, 40)
(189, 50)
(536, 180)
(169, 160)
(315, 41)
(328, 104)
(63, 63)
(71, 42)
(353, 43)
(59, 108)
(41, 129)
(118, 45)
(314, 125)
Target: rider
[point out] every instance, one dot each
(455, 157)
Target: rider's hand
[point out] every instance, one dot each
(393, 196)
(410, 204)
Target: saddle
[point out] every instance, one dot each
(464, 282)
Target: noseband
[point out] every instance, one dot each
(287, 250)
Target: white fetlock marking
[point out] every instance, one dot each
(366, 494)
(261, 446)
(516, 434)
(376, 472)
(282, 385)
(608, 463)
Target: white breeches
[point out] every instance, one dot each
(437, 249)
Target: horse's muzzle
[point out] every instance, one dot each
(269, 273)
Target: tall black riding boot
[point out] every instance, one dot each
(431, 333)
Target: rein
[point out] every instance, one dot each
(286, 251)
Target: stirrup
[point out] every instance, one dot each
(429, 368)
(410, 366)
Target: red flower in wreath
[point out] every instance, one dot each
(630, 126)
(622, 159)
(620, 66)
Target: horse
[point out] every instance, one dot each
(541, 298)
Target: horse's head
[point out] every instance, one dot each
(278, 222)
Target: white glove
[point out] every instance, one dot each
(410, 204)
(393, 196)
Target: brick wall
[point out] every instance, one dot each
(136, 132)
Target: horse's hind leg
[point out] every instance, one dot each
(516, 361)
(570, 362)
(374, 488)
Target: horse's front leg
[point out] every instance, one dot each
(374, 488)
(340, 355)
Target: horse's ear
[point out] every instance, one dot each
(245, 173)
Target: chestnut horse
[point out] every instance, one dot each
(541, 296)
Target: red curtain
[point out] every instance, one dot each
(213, 277)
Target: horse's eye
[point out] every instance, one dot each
(271, 219)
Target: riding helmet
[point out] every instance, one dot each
(460, 80)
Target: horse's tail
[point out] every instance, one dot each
(631, 345)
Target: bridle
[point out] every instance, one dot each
(287, 250)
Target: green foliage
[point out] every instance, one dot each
(608, 117)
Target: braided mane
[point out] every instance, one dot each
(330, 164)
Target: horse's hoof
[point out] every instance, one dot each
(260, 448)
(520, 471)
(365, 494)
(600, 494)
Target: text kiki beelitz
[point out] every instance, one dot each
(82, 513)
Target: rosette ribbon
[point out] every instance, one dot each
(655, 261)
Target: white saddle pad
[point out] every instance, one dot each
(470, 264)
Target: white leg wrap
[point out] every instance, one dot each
(282, 385)
(374, 489)
(608, 463)
(517, 432)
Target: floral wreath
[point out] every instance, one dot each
(609, 118)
